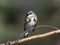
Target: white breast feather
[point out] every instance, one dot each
(32, 22)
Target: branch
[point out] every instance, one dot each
(34, 37)
(39, 26)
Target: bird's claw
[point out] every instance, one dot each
(26, 35)
(7, 43)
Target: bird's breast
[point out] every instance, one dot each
(31, 23)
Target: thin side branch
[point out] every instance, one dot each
(35, 37)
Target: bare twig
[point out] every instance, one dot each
(39, 26)
(35, 37)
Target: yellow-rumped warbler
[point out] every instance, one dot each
(30, 21)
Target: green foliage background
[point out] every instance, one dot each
(12, 13)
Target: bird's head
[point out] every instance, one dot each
(31, 18)
(30, 13)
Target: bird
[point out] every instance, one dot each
(30, 21)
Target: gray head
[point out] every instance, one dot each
(30, 12)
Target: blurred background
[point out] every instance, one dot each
(13, 12)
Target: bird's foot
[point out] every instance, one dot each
(26, 35)
(7, 43)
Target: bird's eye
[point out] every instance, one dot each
(27, 20)
(30, 13)
(35, 19)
